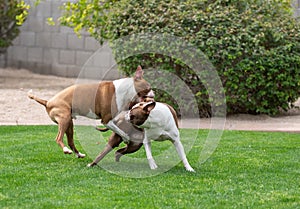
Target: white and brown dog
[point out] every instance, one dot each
(160, 123)
(102, 100)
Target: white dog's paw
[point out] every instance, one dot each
(80, 155)
(190, 169)
(152, 164)
(67, 150)
(91, 165)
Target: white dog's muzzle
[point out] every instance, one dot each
(127, 116)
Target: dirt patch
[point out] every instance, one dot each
(18, 79)
(16, 108)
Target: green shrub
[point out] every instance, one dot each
(12, 14)
(254, 45)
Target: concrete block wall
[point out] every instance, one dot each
(55, 50)
(297, 8)
(3, 60)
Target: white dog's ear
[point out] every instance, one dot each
(149, 106)
(139, 73)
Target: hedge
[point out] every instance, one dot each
(12, 14)
(253, 45)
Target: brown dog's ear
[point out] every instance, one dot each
(139, 73)
(148, 107)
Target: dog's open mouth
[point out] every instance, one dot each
(148, 97)
(150, 94)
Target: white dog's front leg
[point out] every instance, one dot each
(180, 151)
(118, 131)
(147, 145)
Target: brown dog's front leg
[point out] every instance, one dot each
(112, 126)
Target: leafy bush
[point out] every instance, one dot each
(254, 45)
(12, 14)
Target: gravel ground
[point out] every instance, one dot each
(17, 109)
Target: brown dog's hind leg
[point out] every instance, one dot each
(61, 115)
(63, 125)
(130, 148)
(70, 134)
(114, 141)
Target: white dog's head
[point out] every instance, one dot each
(140, 112)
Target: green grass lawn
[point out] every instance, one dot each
(247, 170)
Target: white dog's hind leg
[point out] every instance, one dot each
(180, 151)
(151, 161)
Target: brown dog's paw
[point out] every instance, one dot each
(67, 150)
(80, 155)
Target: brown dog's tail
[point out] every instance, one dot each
(102, 129)
(41, 101)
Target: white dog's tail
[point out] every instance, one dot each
(41, 101)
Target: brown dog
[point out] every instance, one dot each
(102, 100)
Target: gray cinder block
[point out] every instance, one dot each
(67, 57)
